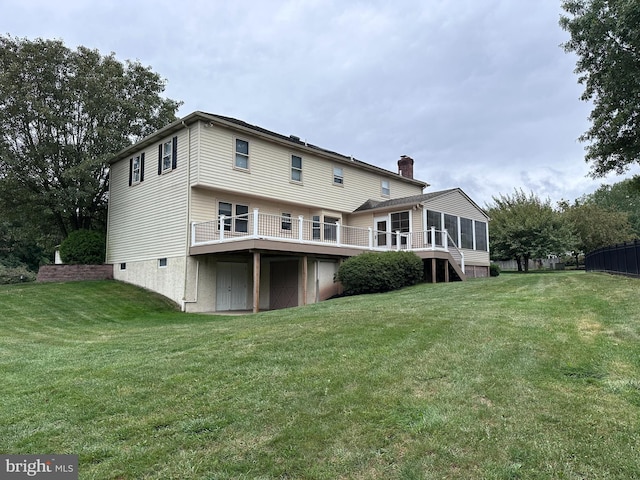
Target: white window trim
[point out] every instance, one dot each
(167, 154)
(137, 159)
(382, 188)
(291, 179)
(334, 176)
(246, 155)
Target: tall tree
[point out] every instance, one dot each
(621, 197)
(523, 228)
(594, 226)
(605, 35)
(63, 114)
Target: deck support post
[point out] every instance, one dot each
(305, 267)
(256, 282)
(446, 271)
(434, 270)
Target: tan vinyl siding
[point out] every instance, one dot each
(455, 203)
(204, 205)
(269, 174)
(476, 257)
(148, 220)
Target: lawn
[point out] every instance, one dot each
(522, 376)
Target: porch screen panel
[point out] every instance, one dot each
(434, 219)
(466, 233)
(481, 236)
(451, 225)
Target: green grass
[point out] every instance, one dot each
(519, 376)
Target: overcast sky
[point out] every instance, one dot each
(479, 93)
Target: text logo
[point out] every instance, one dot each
(49, 467)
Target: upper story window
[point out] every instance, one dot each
(136, 169)
(385, 188)
(296, 168)
(338, 176)
(242, 154)
(168, 156)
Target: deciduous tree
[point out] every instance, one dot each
(523, 227)
(63, 114)
(605, 35)
(594, 226)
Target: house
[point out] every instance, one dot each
(221, 215)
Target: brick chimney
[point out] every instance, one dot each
(405, 166)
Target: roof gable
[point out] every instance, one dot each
(414, 200)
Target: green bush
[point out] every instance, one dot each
(494, 270)
(86, 247)
(379, 272)
(18, 274)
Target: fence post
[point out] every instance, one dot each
(221, 227)
(370, 238)
(300, 228)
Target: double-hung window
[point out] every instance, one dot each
(167, 153)
(168, 156)
(385, 189)
(296, 168)
(242, 154)
(286, 221)
(338, 176)
(136, 169)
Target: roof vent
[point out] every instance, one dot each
(294, 138)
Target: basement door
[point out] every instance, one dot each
(231, 286)
(283, 281)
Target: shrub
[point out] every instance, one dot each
(494, 270)
(17, 274)
(86, 247)
(379, 272)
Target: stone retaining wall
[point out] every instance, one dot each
(69, 273)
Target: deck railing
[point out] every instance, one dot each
(258, 225)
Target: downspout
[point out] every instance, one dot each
(188, 226)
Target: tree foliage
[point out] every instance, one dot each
(594, 226)
(523, 227)
(63, 114)
(622, 197)
(605, 35)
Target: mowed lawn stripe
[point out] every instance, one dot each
(520, 376)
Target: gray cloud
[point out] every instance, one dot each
(480, 94)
